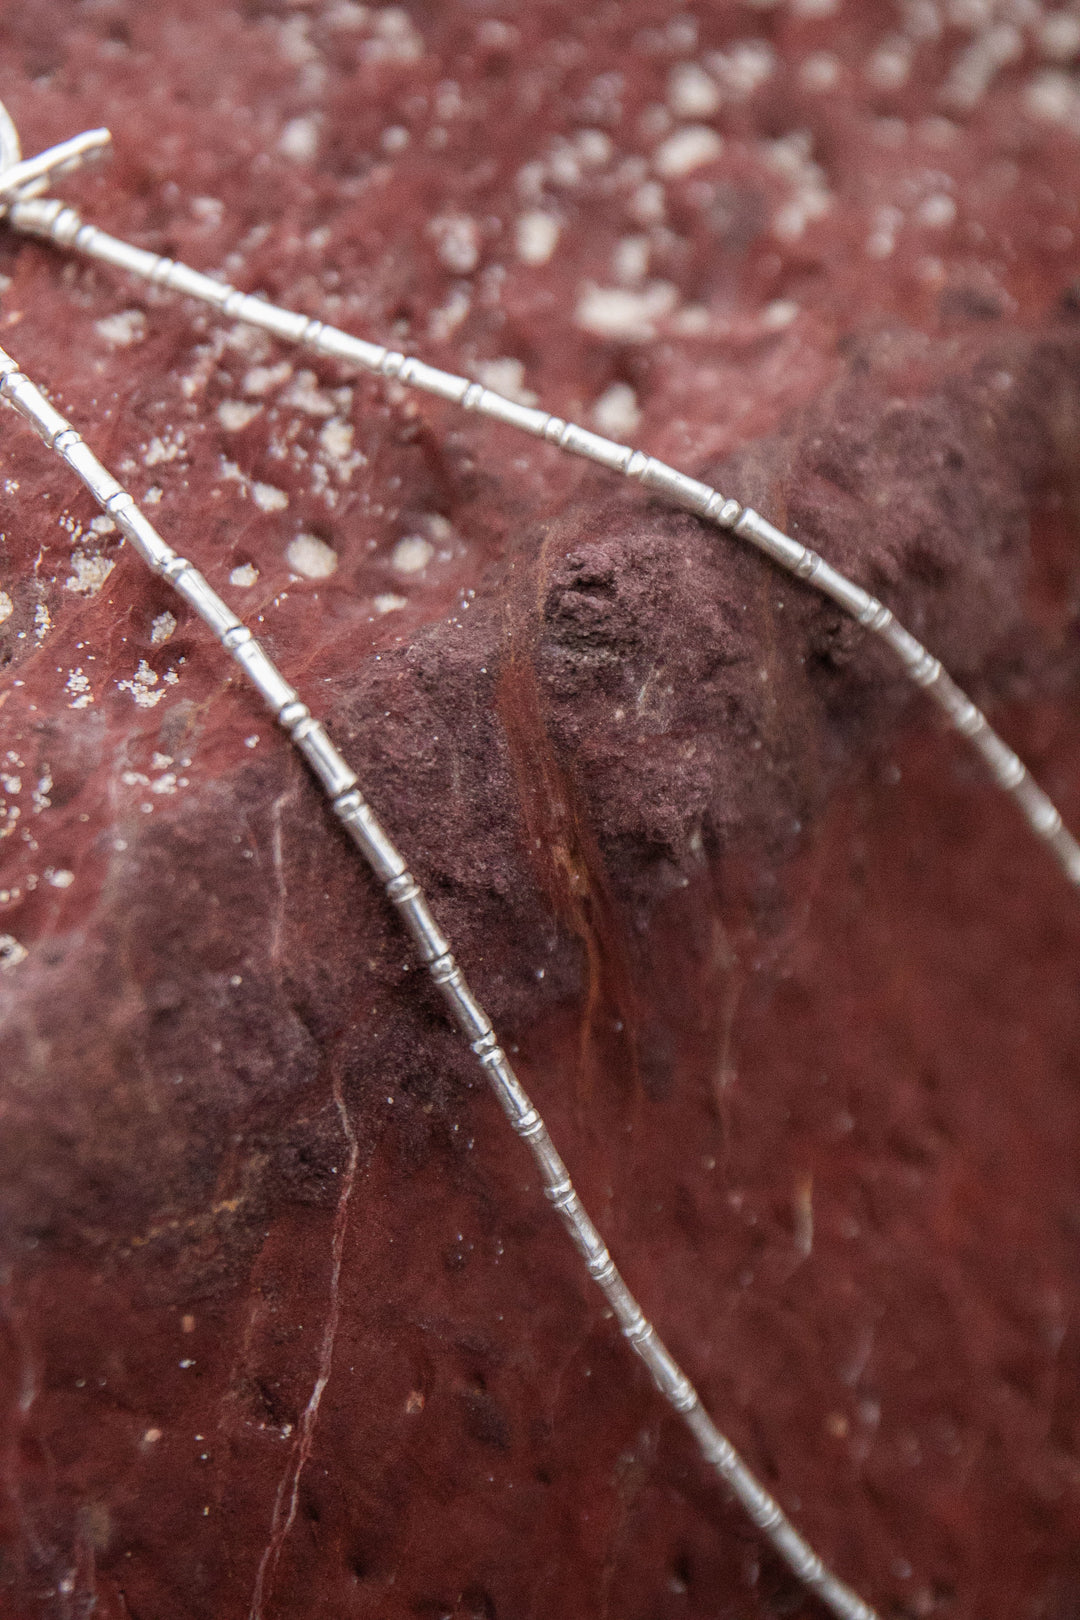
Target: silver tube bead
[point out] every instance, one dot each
(326, 762)
(677, 486)
(428, 937)
(580, 442)
(136, 527)
(31, 403)
(668, 1376)
(364, 829)
(472, 1018)
(83, 462)
(851, 597)
(506, 1085)
(485, 402)
(193, 284)
(263, 674)
(283, 323)
(768, 538)
(443, 384)
(342, 346)
(205, 600)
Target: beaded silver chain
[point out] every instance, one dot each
(21, 183)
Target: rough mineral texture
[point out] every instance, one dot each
(286, 1328)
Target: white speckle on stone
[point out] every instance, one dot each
(507, 377)
(78, 685)
(162, 627)
(616, 312)
(448, 100)
(346, 14)
(790, 156)
(1058, 35)
(978, 64)
(235, 414)
(305, 394)
(630, 260)
(243, 576)
(616, 412)
(412, 555)
(882, 240)
(1054, 97)
(123, 329)
(310, 556)
(42, 622)
(269, 499)
(299, 140)
(888, 66)
(88, 573)
(261, 379)
(687, 149)
(251, 742)
(594, 147)
(141, 686)
(647, 205)
(59, 877)
(11, 952)
(208, 210)
(535, 236)
(159, 450)
(922, 19)
(741, 69)
(819, 71)
(7, 606)
(692, 93)
(780, 313)
(395, 38)
(102, 524)
(394, 139)
(936, 211)
(387, 602)
(563, 164)
(444, 321)
(457, 242)
(691, 321)
(336, 438)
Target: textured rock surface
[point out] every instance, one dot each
(285, 1326)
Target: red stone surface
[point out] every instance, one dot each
(285, 1327)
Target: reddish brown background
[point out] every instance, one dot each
(792, 983)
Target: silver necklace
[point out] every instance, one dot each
(20, 186)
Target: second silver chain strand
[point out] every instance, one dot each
(58, 223)
(340, 785)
